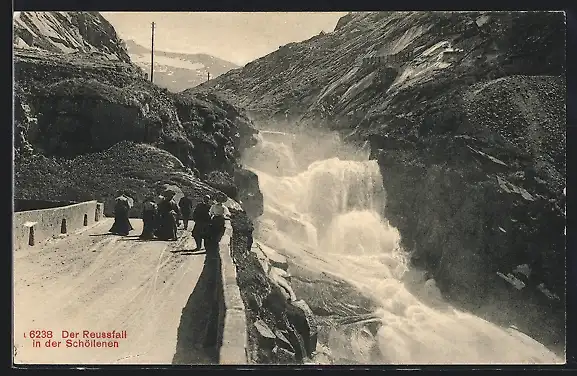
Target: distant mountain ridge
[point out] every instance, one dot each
(178, 71)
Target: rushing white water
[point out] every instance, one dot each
(329, 217)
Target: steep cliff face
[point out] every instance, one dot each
(465, 113)
(70, 104)
(68, 32)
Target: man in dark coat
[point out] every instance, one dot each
(219, 214)
(167, 217)
(185, 205)
(148, 218)
(201, 220)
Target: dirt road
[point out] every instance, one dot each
(97, 282)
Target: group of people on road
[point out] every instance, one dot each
(161, 217)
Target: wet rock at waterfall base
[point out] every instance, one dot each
(304, 322)
(266, 337)
(326, 294)
(273, 257)
(276, 301)
(274, 318)
(284, 356)
(277, 277)
(285, 293)
(282, 340)
(301, 330)
(278, 272)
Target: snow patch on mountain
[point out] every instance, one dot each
(159, 61)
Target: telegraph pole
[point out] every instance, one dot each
(152, 56)
(208, 77)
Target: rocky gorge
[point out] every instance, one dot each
(465, 114)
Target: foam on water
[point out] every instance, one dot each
(272, 157)
(330, 217)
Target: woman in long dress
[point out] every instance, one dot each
(167, 217)
(122, 225)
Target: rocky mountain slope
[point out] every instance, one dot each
(78, 98)
(465, 113)
(68, 32)
(178, 71)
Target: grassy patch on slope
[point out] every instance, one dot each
(138, 169)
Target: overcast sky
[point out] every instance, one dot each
(234, 36)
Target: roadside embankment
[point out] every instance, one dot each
(280, 328)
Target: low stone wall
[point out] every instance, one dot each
(265, 323)
(232, 327)
(33, 227)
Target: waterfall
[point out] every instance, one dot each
(330, 215)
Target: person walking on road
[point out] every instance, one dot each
(201, 220)
(185, 205)
(122, 206)
(149, 212)
(218, 216)
(167, 217)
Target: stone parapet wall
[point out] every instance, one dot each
(232, 332)
(33, 227)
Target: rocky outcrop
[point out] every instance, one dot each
(68, 32)
(249, 193)
(80, 106)
(282, 327)
(465, 113)
(492, 200)
(242, 186)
